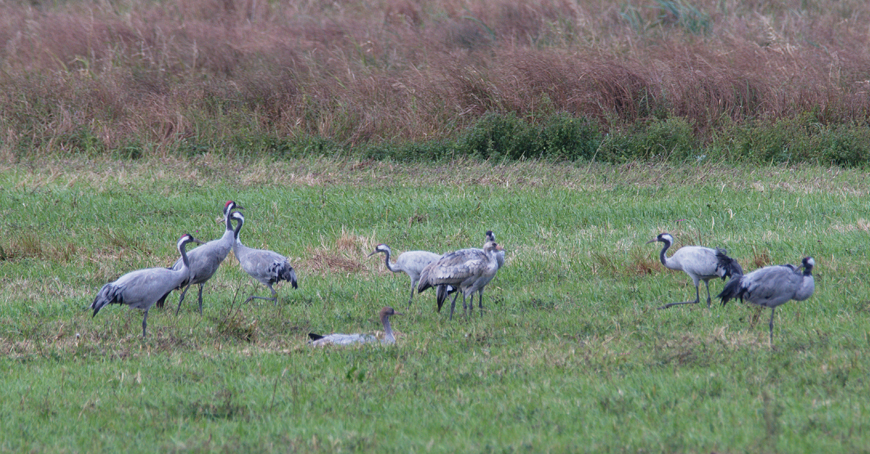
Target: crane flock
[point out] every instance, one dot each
(466, 271)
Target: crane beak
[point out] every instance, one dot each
(373, 253)
(652, 240)
(198, 241)
(499, 247)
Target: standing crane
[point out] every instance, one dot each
(469, 270)
(348, 339)
(443, 291)
(205, 259)
(700, 263)
(140, 289)
(265, 266)
(409, 262)
(771, 286)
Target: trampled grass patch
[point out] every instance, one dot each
(568, 355)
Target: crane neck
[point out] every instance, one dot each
(389, 264)
(183, 250)
(662, 256)
(388, 331)
(228, 221)
(237, 229)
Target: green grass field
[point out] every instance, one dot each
(569, 356)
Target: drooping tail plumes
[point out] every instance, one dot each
(284, 272)
(730, 265)
(441, 295)
(288, 275)
(734, 289)
(109, 294)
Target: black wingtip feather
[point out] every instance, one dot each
(730, 265)
(314, 337)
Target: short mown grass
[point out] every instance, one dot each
(570, 354)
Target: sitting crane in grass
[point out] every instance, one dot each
(318, 340)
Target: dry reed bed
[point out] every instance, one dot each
(412, 70)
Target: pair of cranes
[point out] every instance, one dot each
(770, 286)
(143, 288)
(466, 271)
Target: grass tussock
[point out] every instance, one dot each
(594, 80)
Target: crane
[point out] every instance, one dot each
(700, 263)
(348, 339)
(443, 291)
(771, 286)
(467, 269)
(140, 289)
(205, 259)
(409, 262)
(267, 267)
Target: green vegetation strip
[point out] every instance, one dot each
(569, 355)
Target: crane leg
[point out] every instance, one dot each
(470, 306)
(181, 298)
(144, 324)
(413, 286)
(453, 304)
(707, 284)
(697, 299)
(772, 309)
(200, 299)
(480, 302)
(273, 298)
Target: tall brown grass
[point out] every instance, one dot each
(102, 75)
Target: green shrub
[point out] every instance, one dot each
(669, 139)
(565, 137)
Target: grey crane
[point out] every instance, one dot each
(142, 288)
(771, 286)
(205, 259)
(318, 340)
(700, 263)
(443, 291)
(409, 262)
(469, 270)
(265, 266)
(500, 256)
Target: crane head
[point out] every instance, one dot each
(492, 246)
(808, 263)
(380, 248)
(388, 311)
(187, 238)
(490, 236)
(230, 205)
(663, 237)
